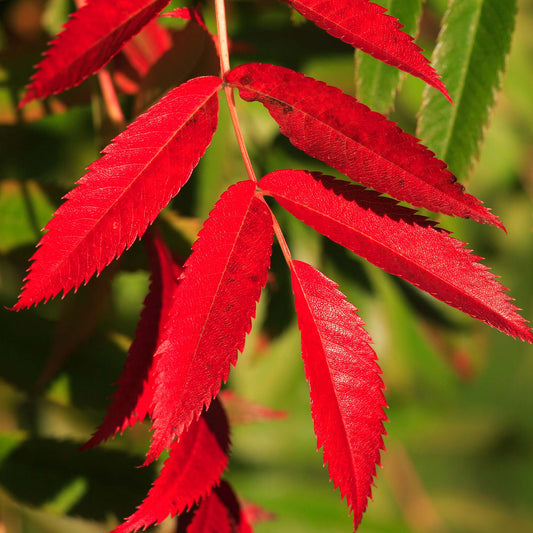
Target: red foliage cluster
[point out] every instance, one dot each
(196, 317)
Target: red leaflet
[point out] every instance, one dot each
(214, 305)
(243, 411)
(365, 25)
(124, 190)
(195, 15)
(346, 390)
(193, 467)
(93, 35)
(133, 397)
(147, 47)
(189, 13)
(255, 514)
(335, 128)
(399, 241)
(139, 55)
(220, 512)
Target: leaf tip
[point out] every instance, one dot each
(442, 88)
(26, 99)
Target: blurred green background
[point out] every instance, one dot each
(460, 452)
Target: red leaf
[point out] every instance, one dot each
(214, 305)
(365, 25)
(255, 514)
(346, 390)
(133, 397)
(397, 240)
(147, 47)
(220, 512)
(194, 466)
(92, 36)
(335, 128)
(124, 190)
(243, 411)
(189, 13)
(139, 55)
(195, 15)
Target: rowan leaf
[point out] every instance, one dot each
(344, 380)
(147, 47)
(194, 466)
(94, 34)
(366, 26)
(139, 55)
(376, 82)
(212, 314)
(124, 190)
(133, 397)
(331, 126)
(399, 241)
(219, 512)
(472, 31)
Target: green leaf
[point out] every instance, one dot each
(376, 82)
(471, 56)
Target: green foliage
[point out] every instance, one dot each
(471, 56)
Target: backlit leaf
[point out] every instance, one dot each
(195, 464)
(93, 35)
(124, 191)
(212, 314)
(376, 82)
(327, 124)
(133, 397)
(139, 54)
(397, 240)
(346, 389)
(219, 512)
(365, 26)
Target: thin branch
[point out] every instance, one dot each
(110, 98)
(108, 89)
(223, 50)
(281, 241)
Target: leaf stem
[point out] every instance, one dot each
(223, 51)
(282, 242)
(108, 89)
(110, 98)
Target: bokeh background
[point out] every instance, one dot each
(460, 444)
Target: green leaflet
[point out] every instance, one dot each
(376, 82)
(471, 57)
